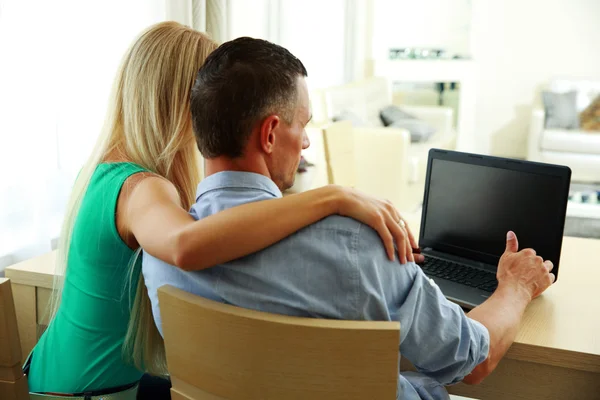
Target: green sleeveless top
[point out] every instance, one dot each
(82, 348)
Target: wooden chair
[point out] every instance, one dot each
(13, 384)
(373, 160)
(338, 146)
(381, 155)
(221, 352)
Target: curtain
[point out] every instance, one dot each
(332, 58)
(210, 16)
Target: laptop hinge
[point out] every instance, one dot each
(451, 257)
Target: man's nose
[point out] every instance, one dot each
(305, 141)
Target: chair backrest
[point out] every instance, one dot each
(381, 158)
(13, 384)
(217, 351)
(338, 146)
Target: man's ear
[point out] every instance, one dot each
(268, 133)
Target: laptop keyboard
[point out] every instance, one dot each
(460, 273)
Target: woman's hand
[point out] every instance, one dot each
(382, 216)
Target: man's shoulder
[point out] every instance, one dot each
(367, 243)
(348, 225)
(339, 223)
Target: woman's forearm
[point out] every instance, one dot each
(242, 230)
(153, 215)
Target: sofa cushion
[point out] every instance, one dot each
(561, 110)
(590, 117)
(392, 113)
(420, 131)
(570, 141)
(586, 89)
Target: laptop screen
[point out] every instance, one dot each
(470, 207)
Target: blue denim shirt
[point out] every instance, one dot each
(336, 268)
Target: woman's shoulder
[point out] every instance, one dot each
(121, 167)
(119, 173)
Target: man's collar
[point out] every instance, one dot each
(237, 179)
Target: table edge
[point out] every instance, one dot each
(565, 358)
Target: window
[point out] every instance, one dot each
(57, 63)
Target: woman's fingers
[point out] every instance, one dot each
(409, 251)
(408, 233)
(411, 237)
(386, 236)
(400, 239)
(405, 241)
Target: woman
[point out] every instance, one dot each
(134, 191)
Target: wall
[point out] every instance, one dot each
(249, 19)
(518, 47)
(315, 37)
(441, 24)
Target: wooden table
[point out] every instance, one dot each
(556, 354)
(32, 282)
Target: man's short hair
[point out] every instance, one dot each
(242, 82)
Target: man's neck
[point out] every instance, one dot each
(242, 164)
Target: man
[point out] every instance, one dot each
(250, 106)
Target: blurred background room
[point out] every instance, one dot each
(511, 78)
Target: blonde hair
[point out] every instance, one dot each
(148, 122)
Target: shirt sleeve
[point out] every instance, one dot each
(435, 334)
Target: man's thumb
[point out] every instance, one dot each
(512, 244)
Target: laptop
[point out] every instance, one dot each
(470, 203)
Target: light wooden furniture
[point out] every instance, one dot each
(381, 171)
(369, 159)
(13, 384)
(218, 351)
(556, 354)
(339, 150)
(32, 282)
(373, 160)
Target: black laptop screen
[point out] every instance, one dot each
(470, 208)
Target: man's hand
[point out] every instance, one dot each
(523, 270)
(522, 276)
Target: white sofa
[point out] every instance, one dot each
(578, 150)
(366, 98)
